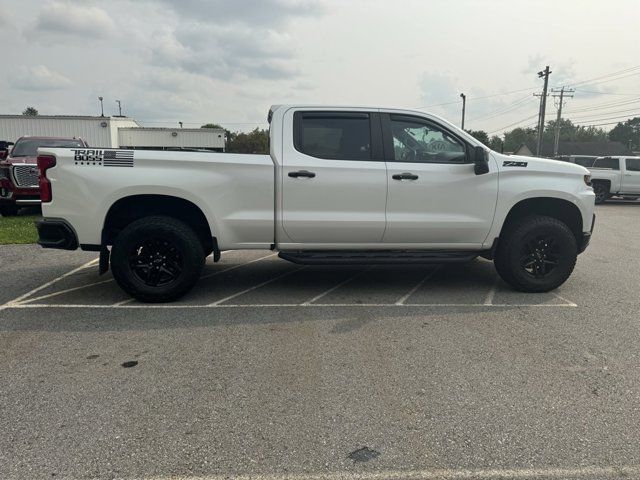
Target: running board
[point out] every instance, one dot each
(376, 257)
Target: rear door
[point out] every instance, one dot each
(334, 179)
(631, 179)
(434, 196)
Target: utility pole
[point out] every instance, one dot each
(543, 105)
(119, 108)
(464, 103)
(563, 93)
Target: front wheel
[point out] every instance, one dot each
(536, 254)
(601, 191)
(157, 259)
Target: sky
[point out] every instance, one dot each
(226, 62)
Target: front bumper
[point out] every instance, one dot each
(54, 233)
(586, 237)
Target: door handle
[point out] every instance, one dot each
(404, 176)
(302, 173)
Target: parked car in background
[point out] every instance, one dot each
(19, 171)
(615, 176)
(340, 186)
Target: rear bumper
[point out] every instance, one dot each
(586, 237)
(54, 233)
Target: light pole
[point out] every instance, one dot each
(101, 107)
(464, 104)
(180, 124)
(119, 108)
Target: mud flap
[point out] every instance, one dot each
(103, 264)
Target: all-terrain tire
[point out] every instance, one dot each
(602, 192)
(157, 259)
(543, 241)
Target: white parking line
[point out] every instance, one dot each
(16, 300)
(218, 302)
(404, 298)
(300, 305)
(335, 287)
(589, 472)
(49, 295)
(488, 300)
(236, 266)
(569, 302)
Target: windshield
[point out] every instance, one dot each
(29, 147)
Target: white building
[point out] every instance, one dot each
(110, 132)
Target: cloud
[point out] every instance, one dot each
(264, 13)
(37, 78)
(226, 53)
(74, 19)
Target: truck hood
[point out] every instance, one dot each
(541, 164)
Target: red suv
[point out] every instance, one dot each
(19, 171)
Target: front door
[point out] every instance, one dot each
(434, 196)
(631, 179)
(334, 179)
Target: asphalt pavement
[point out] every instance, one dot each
(267, 370)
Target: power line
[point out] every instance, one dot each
(604, 106)
(530, 89)
(598, 116)
(608, 93)
(619, 72)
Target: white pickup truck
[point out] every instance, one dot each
(615, 176)
(340, 186)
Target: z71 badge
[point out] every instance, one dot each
(509, 163)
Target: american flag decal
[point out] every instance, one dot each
(117, 158)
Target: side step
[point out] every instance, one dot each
(376, 257)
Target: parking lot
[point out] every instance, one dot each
(269, 369)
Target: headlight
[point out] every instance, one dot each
(587, 180)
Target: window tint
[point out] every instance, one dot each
(585, 162)
(633, 164)
(334, 136)
(417, 141)
(607, 162)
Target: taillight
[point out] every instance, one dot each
(45, 162)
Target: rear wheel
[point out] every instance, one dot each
(157, 259)
(602, 192)
(537, 254)
(9, 210)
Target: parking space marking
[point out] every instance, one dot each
(335, 287)
(430, 274)
(123, 302)
(624, 471)
(250, 289)
(569, 302)
(73, 289)
(294, 305)
(22, 297)
(236, 266)
(488, 300)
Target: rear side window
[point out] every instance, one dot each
(612, 163)
(585, 162)
(633, 164)
(333, 136)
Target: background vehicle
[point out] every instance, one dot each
(19, 172)
(615, 176)
(341, 185)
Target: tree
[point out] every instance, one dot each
(211, 125)
(256, 141)
(30, 112)
(518, 136)
(479, 135)
(627, 132)
(496, 143)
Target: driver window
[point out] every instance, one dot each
(415, 141)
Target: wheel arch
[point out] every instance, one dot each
(558, 208)
(133, 207)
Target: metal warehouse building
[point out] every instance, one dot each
(110, 132)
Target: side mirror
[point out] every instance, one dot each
(481, 165)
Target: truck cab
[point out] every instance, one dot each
(615, 176)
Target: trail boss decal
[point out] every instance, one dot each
(105, 158)
(509, 163)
